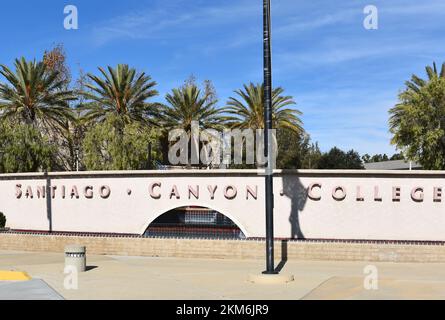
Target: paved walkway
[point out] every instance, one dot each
(162, 278)
(34, 289)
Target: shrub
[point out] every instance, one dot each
(24, 149)
(111, 145)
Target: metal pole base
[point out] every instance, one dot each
(270, 272)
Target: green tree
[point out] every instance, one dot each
(24, 149)
(247, 110)
(34, 94)
(296, 151)
(381, 157)
(121, 92)
(338, 159)
(397, 156)
(311, 155)
(366, 158)
(417, 122)
(104, 149)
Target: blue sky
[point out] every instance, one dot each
(343, 77)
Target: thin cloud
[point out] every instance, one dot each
(432, 7)
(158, 23)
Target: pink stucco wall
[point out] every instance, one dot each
(380, 205)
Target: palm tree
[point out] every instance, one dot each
(186, 105)
(417, 83)
(409, 96)
(121, 92)
(34, 95)
(248, 112)
(417, 122)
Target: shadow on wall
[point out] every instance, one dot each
(2, 221)
(297, 193)
(49, 211)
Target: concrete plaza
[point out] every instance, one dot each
(113, 277)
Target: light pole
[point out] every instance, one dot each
(268, 138)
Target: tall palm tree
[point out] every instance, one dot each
(121, 92)
(408, 97)
(248, 112)
(34, 95)
(186, 105)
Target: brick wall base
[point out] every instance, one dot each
(227, 249)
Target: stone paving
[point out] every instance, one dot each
(113, 277)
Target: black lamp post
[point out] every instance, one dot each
(268, 138)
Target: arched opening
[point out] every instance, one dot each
(194, 222)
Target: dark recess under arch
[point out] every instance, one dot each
(194, 222)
